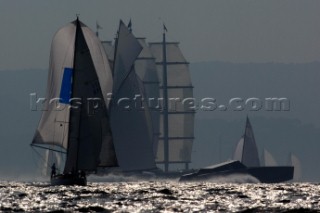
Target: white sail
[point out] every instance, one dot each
(295, 162)
(44, 167)
(133, 143)
(79, 68)
(50, 157)
(237, 155)
(146, 70)
(268, 159)
(180, 112)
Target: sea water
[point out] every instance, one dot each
(115, 194)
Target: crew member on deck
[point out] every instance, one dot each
(53, 169)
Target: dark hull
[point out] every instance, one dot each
(68, 180)
(274, 174)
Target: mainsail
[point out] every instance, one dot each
(177, 118)
(246, 151)
(129, 119)
(75, 116)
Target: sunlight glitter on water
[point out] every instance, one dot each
(155, 196)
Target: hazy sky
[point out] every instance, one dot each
(236, 31)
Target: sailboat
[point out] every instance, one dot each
(78, 72)
(247, 153)
(245, 161)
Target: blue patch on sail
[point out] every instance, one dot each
(66, 86)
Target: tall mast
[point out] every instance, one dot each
(165, 103)
(97, 29)
(72, 112)
(244, 138)
(177, 132)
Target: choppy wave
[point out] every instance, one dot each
(159, 196)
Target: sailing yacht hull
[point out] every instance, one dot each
(272, 174)
(68, 180)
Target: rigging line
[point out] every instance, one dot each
(48, 149)
(38, 167)
(35, 162)
(38, 153)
